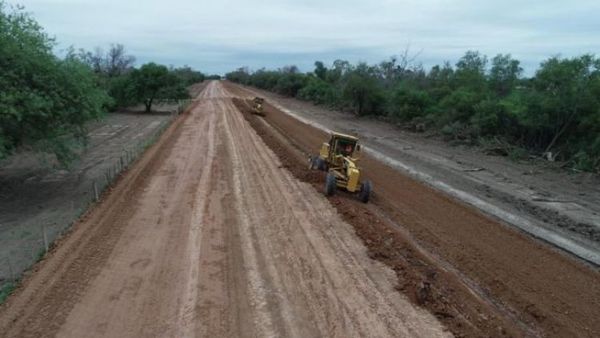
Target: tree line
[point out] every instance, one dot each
(555, 113)
(46, 100)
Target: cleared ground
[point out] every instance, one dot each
(208, 234)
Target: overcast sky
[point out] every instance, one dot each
(220, 35)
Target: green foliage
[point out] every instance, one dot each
(241, 75)
(470, 71)
(6, 290)
(188, 76)
(487, 117)
(45, 101)
(557, 110)
(154, 82)
(504, 75)
(362, 91)
(458, 106)
(122, 91)
(320, 70)
(319, 92)
(407, 103)
(290, 84)
(264, 79)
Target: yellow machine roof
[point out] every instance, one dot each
(336, 134)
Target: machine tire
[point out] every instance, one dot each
(365, 192)
(317, 163)
(321, 164)
(330, 184)
(311, 163)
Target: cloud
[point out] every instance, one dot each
(217, 36)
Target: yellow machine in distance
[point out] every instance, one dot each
(257, 106)
(339, 157)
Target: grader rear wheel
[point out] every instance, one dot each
(365, 192)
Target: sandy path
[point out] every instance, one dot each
(209, 236)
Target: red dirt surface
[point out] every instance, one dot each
(208, 235)
(515, 285)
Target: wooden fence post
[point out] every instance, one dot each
(95, 191)
(11, 272)
(45, 236)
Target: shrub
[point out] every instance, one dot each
(290, 84)
(43, 98)
(406, 104)
(319, 92)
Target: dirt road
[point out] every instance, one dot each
(208, 235)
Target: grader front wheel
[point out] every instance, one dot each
(330, 184)
(317, 163)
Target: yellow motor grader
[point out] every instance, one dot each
(257, 106)
(338, 158)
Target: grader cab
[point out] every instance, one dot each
(338, 158)
(257, 106)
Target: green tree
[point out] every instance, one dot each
(154, 82)
(188, 76)
(339, 69)
(320, 70)
(121, 89)
(504, 74)
(407, 103)
(459, 106)
(318, 91)
(240, 75)
(289, 81)
(440, 81)
(564, 94)
(470, 71)
(45, 102)
(362, 91)
(265, 79)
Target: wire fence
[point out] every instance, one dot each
(30, 245)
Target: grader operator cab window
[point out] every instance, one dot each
(345, 147)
